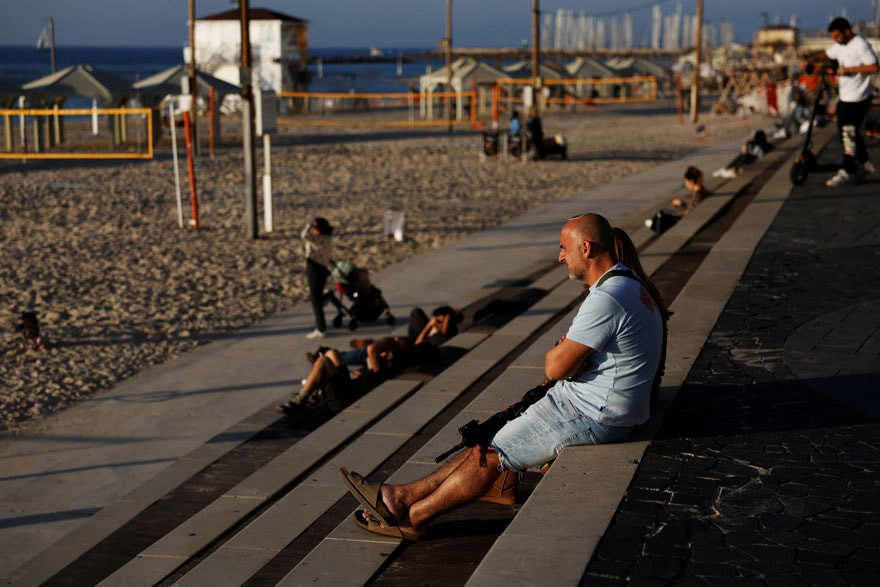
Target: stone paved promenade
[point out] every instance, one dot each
(767, 468)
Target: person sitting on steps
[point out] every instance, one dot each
(604, 368)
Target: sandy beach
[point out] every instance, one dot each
(95, 249)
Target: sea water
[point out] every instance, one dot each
(22, 64)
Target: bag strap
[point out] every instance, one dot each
(616, 273)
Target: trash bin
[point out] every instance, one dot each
(490, 143)
(393, 221)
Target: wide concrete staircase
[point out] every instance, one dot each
(262, 503)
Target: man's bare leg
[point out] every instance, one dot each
(323, 367)
(460, 481)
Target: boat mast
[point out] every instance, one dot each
(52, 42)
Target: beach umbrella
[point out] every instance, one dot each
(81, 80)
(170, 81)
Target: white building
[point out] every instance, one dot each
(279, 48)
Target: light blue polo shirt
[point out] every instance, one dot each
(621, 322)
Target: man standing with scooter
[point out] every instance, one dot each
(856, 63)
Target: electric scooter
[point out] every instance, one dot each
(806, 161)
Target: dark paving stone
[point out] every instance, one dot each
(773, 479)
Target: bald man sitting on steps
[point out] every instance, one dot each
(603, 367)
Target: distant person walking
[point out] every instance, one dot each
(856, 62)
(318, 243)
(536, 132)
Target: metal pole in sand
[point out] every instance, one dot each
(448, 43)
(176, 165)
(194, 201)
(698, 44)
(247, 121)
(193, 82)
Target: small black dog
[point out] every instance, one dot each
(30, 328)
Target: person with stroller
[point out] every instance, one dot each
(318, 244)
(856, 63)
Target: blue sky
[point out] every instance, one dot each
(383, 23)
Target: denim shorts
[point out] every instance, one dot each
(355, 356)
(545, 428)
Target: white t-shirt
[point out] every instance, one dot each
(853, 88)
(621, 322)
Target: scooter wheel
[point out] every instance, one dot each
(799, 172)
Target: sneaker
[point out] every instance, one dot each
(288, 408)
(649, 222)
(303, 382)
(718, 172)
(840, 178)
(780, 134)
(727, 173)
(315, 334)
(868, 167)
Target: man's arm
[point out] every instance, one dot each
(865, 69)
(381, 353)
(566, 359)
(813, 58)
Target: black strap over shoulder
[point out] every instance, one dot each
(617, 273)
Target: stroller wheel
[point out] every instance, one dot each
(353, 325)
(337, 322)
(391, 320)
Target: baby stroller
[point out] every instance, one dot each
(367, 303)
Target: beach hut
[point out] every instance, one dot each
(170, 82)
(637, 66)
(587, 68)
(467, 73)
(546, 70)
(83, 81)
(79, 80)
(279, 48)
(9, 93)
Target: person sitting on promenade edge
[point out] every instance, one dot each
(667, 217)
(753, 149)
(603, 370)
(318, 244)
(693, 181)
(857, 62)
